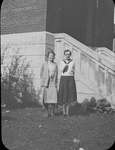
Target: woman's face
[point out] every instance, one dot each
(67, 55)
(51, 57)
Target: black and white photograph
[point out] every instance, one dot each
(58, 74)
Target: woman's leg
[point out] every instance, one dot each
(67, 109)
(64, 109)
(49, 110)
(53, 108)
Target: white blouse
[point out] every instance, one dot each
(71, 68)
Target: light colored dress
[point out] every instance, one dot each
(50, 89)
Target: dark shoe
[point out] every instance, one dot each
(64, 115)
(49, 115)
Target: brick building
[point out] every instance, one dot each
(90, 22)
(37, 26)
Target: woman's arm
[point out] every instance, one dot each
(61, 67)
(56, 81)
(74, 67)
(41, 71)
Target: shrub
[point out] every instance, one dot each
(16, 81)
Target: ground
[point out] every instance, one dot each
(30, 129)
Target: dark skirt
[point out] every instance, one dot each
(67, 90)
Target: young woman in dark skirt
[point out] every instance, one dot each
(67, 87)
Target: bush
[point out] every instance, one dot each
(16, 83)
(103, 105)
(85, 104)
(92, 103)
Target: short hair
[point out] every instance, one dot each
(67, 50)
(51, 52)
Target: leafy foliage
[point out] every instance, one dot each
(16, 79)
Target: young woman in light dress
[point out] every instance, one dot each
(49, 77)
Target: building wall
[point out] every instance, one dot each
(95, 70)
(23, 20)
(114, 45)
(103, 24)
(19, 16)
(67, 16)
(54, 18)
(32, 47)
(90, 22)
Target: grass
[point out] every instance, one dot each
(29, 129)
